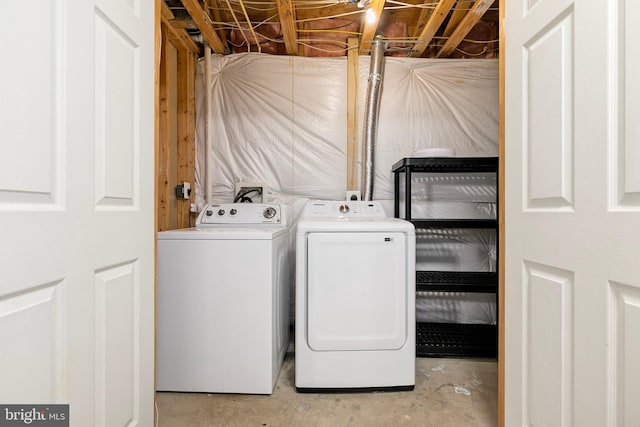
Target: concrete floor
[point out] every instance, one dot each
(448, 392)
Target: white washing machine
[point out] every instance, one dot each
(355, 298)
(223, 301)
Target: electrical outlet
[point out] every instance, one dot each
(183, 191)
(353, 195)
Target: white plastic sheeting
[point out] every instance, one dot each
(282, 120)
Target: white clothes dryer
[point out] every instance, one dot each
(223, 301)
(355, 298)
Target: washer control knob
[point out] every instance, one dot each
(344, 208)
(269, 213)
(208, 212)
(233, 211)
(221, 212)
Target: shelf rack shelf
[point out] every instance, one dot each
(449, 339)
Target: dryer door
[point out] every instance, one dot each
(356, 291)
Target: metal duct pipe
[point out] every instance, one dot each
(372, 109)
(198, 38)
(207, 133)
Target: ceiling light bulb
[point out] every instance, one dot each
(370, 16)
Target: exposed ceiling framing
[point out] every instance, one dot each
(418, 28)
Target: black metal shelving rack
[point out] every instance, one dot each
(450, 339)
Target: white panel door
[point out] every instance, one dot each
(572, 289)
(76, 208)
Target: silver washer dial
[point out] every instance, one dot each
(344, 208)
(269, 213)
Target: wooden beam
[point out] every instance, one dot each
(425, 14)
(352, 114)
(437, 18)
(369, 31)
(166, 13)
(214, 9)
(164, 135)
(287, 13)
(201, 19)
(461, 9)
(186, 127)
(300, 27)
(178, 37)
(470, 19)
(185, 42)
(180, 24)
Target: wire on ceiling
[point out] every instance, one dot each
(248, 20)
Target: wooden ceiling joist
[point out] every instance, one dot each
(369, 31)
(201, 19)
(214, 8)
(470, 19)
(459, 11)
(177, 36)
(435, 21)
(165, 12)
(221, 22)
(288, 25)
(425, 14)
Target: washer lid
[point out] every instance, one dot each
(223, 234)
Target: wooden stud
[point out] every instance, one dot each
(352, 114)
(369, 31)
(201, 19)
(470, 19)
(287, 13)
(437, 18)
(164, 134)
(186, 131)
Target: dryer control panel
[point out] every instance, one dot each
(241, 214)
(343, 209)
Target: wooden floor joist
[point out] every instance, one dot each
(203, 21)
(435, 20)
(470, 19)
(287, 14)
